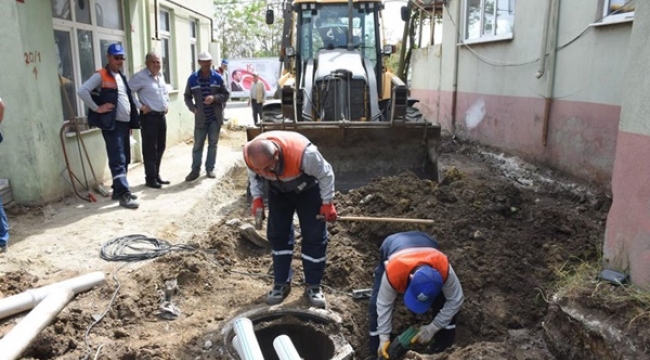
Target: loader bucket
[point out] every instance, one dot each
(360, 152)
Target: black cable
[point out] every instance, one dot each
(138, 247)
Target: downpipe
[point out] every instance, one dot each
(542, 55)
(454, 93)
(550, 74)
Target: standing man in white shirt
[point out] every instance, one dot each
(112, 109)
(256, 100)
(153, 103)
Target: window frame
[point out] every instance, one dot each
(194, 34)
(167, 35)
(484, 38)
(98, 33)
(607, 18)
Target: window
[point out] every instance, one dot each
(489, 20)
(164, 24)
(618, 10)
(81, 35)
(193, 56)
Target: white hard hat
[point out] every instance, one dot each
(205, 56)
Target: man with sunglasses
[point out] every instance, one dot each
(411, 264)
(113, 109)
(298, 180)
(205, 95)
(153, 102)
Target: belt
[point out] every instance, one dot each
(153, 113)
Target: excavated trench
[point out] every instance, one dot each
(509, 235)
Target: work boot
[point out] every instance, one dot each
(278, 293)
(316, 296)
(162, 182)
(153, 184)
(192, 176)
(211, 174)
(3, 248)
(133, 196)
(128, 202)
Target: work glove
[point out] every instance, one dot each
(258, 203)
(384, 343)
(328, 212)
(425, 334)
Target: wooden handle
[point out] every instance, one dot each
(385, 219)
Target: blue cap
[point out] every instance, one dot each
(224, 61)
(426, 283)
(115, 49)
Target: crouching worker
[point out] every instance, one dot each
(412, 265)
(298, 180)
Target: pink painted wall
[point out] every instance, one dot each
(581, 137)
(627, 238)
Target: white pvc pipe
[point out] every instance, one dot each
(249, 346)
(285, 349)
(18, 339)
(30, 298)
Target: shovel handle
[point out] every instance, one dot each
(386, 219)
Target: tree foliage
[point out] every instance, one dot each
(242, 31)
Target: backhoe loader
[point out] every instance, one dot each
(337, 92)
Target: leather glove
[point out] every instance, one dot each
(425, 334)
(258, 203)
(384, 343)
(328, 212)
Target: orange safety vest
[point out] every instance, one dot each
(292, 146)
(401, 265)
(108, 80)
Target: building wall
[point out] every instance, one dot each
(31, 156)
(501, 103)
(627, 238)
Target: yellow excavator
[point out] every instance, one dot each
(337, 92)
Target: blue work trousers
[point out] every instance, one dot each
(210, 130)
(4, 226)
(280, 233)
(118, 150)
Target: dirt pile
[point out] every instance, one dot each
(504, 238)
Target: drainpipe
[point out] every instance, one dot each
(156, 13)
(454, 94)
(550, 74)
(542, 55)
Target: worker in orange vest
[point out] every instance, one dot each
(298, 180)
(412, 265)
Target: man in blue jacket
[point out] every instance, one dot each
(112, 109)
(205, 95)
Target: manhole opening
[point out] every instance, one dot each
(311, 343)
(315, 336)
